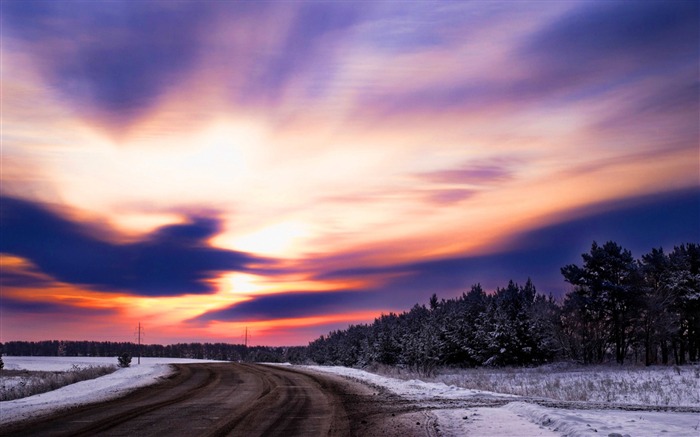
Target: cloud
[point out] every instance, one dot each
(173, 260)
(469, 175)
(589, 51)
(24, 279)
(114, 64)
(292, 305)
(610, 43)
(120, 61)
(117, 59)
(449, 196)
(23, 307)
(666, 108)
(638, 224)
(653, 30)
(315, 25)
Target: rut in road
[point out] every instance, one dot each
(184, 384)
(112, 422)
(291, 404)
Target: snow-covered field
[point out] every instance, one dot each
(659, 386)
(519, 416)
(448, 404)
(652, 386)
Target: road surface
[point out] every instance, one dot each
(231, 399)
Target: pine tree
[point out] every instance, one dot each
(605, 299)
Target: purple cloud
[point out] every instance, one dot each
(469, 175)
(117, 58)
(638, 224)
(293, 305)
(24, 307)
(450, 196)
(600, 45)
(173, 260)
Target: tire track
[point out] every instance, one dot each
(289, 404)
(48, 426)
(227, 427)
(212, 378)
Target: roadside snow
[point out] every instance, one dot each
(575, 423)
(412, 389)
(94, 390)
(489, 422)
(519, 418)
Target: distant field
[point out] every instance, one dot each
(66, 363)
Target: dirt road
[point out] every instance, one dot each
(229, 399)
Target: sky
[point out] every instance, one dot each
(293, 167)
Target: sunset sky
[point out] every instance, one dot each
(294, 167)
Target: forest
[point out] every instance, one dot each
(619, 309)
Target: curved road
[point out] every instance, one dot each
(229, 399)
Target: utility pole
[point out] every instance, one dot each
(139, 333)
(246, 337)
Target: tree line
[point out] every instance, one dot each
(207, 351)
(619, 308)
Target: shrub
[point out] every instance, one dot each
(124, 360)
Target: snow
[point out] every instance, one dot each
(650, 386)
(576, 423)
(511, 415)
(521, 418)
(412, 389)
(488, 422)
(99, 389)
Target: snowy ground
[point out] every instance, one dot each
(94, 390)
(454, 408)
(651, 386)
(519, 416)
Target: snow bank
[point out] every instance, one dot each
(411, 389)
(99, 389)
(579, 423)
(488, 422)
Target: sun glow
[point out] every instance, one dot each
(279, 239)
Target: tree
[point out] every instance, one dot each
(605, 298)
(658, 320)
(684, 283)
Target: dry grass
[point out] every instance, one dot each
(655, 386)
(15, 384)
